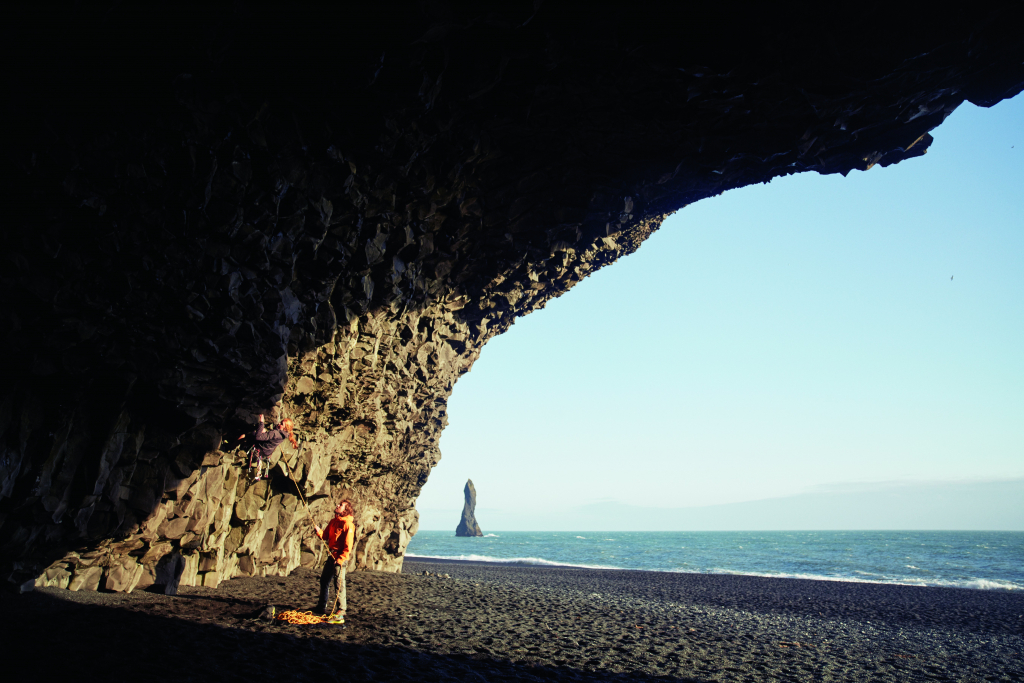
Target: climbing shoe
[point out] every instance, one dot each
(336, 619)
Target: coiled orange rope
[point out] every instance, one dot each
(293, 616)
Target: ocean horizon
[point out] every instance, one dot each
(986, 560)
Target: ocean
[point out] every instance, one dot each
(965, 559)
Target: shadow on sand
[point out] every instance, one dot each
(143, 636)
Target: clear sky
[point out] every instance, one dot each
(776, 340)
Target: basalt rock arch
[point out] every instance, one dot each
(220, 210)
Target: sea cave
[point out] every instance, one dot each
(217, 211)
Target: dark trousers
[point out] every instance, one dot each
(332, 573)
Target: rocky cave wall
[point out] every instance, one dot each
(218, 211)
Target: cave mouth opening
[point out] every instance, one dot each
(772, 342)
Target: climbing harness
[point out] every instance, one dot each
(256, 463)
(259, 465)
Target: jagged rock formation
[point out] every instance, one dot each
(468, 525)
(228, 210)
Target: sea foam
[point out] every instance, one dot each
(534, 561)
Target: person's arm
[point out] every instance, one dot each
(260, 428)
(322, 531)
(261, 432)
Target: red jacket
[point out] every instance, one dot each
(339, 536)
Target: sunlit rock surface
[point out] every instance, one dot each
(213, 213)
(468, 525)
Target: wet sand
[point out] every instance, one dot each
(503, 623)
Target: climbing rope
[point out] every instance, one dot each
(291, 478)
(256, 464)
(293, 616)
(298, 487)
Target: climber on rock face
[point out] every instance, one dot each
(268, 441)
(339, 536)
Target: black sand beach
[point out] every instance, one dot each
(501, 623)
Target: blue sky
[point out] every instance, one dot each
(769, 342)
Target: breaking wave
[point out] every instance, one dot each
(531, 561)
(977, 584)
(982, 584)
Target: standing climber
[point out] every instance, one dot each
(267, 442)
(339, 536)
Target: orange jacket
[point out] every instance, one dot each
(339, 536)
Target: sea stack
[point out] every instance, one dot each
(468, 525)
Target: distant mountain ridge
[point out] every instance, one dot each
(979, 505)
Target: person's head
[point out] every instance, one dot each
(344, 509)
(288, 428)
